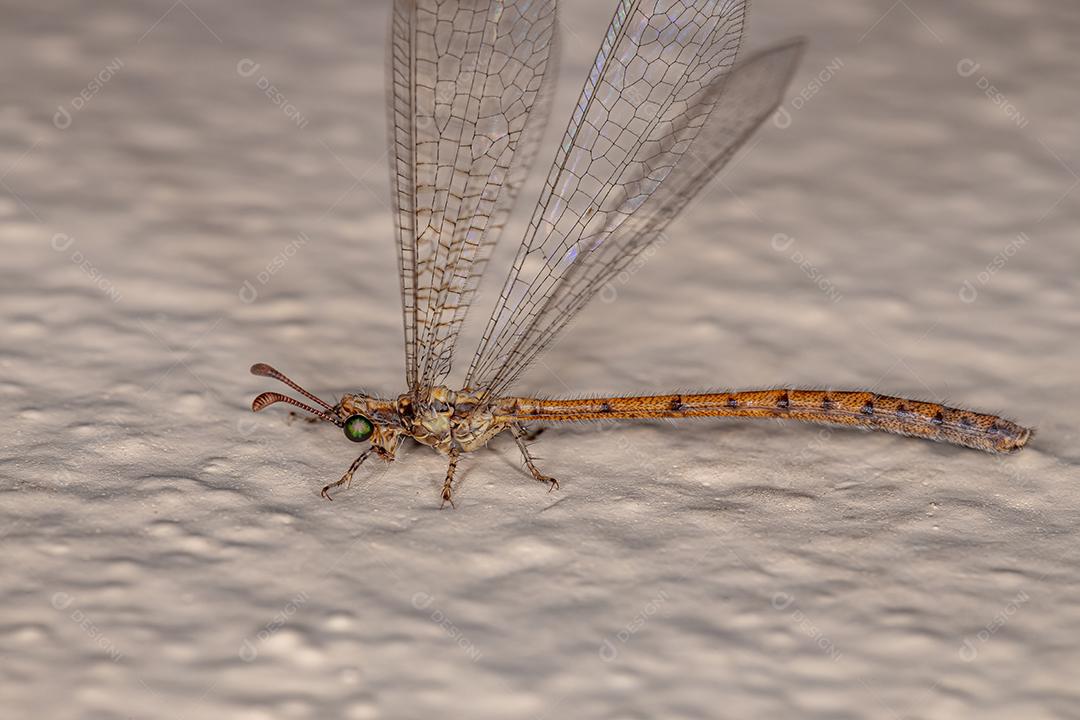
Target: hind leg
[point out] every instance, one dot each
(520, 436)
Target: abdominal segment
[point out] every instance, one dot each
(865, 410)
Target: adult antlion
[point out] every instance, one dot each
(663, 108)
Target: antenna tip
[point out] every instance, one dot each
(262, 369)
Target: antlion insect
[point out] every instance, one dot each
(663, 109)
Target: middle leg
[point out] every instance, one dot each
(447, 494)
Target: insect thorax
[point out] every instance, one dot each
(441, 418)
(446, 419)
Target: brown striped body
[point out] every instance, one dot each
(864, 410)
(457, 422)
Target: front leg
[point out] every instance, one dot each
(447, 484)
(346, 479)
(520, 435)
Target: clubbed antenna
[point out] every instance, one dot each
(267, 371)
(269, 398)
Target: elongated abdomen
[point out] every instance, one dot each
(864, 410)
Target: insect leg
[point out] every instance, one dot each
(530, 435)
(446, 488)
(346, 479)
(520, 436)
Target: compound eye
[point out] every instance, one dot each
(358, 428)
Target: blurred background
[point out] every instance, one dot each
(189, 187)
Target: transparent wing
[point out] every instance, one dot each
(464, 75)
(484, 214)
(566, 275)
(656, 77)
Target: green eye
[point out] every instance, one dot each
(358, 428)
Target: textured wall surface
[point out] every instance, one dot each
(907, 224)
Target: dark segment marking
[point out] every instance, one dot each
(993, 429)
(605, 407)
(868, 408)
(938, 419)
(732, 402)
(827, 404)
(901, 410)
(677, 403)
(784, 402)
(965, 422)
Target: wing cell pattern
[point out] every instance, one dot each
(464, 75)
(659, 73)
(735, 107)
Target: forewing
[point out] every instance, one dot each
(464, 76)
(726, 114)
(400, 104)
